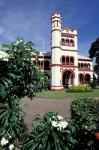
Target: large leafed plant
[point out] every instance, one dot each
(19, 77)
(52, 133)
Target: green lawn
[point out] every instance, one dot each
(67, 95)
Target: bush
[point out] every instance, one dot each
(80, 88)
(94, 83)
(84, 115)
(52, 133)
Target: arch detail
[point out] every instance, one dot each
(68, 78)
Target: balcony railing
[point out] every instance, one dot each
(83, 69)
(67, 64)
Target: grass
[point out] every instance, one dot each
(67, 95)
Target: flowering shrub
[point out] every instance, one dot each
(52, 133)
(58, 122)
(84, 115)
(19, 77)
(6, 144)
(27, 79)
(80, 88)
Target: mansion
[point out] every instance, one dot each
(63, 65)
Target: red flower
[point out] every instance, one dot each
(97, 135)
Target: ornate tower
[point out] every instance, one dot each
(56, 52)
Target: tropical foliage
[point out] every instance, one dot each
(7, 143)
(19, 77)
(52, 133)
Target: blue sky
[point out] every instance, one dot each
(30, 19)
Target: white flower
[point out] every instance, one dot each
(28, 49)
(86, 127)
(54, 123)
(17, 42)
(62, 125)
(59, 117)
(58, 128)
(21, 41)
(4, 141)
(10, 136)
(15, 49)
(53, 117)
(11, 146)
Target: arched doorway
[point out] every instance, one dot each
(68, 78)
(81, 78)
(87, 78)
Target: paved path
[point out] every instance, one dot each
(41, 106)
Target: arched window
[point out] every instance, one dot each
(57, 23)
(38, 63)
(78, 65)
(88, 66)
(67, 42)
(41, 64)
(82, 65)
(63, 60)
(71, 60)
(71, 42)
(34, 62)
(63, 42)
(46, 65)
(85, 65)
(67, 60)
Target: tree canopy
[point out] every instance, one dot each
(26, 78)
(94, 53)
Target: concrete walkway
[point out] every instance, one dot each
(42, 106)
